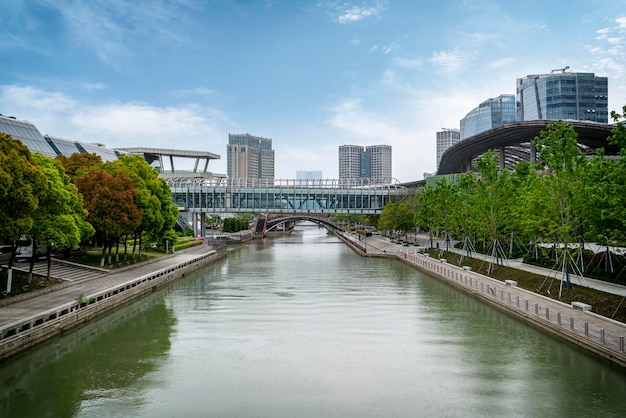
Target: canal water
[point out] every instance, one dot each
(301, 326)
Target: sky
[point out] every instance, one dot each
(310, 75)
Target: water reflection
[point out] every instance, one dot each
(89, 365)
(302, 326)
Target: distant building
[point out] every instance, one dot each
(350, 161)
(308, 175)
(445, 139)
(249, 157)
(563, 95)
(372, 162)
(379, 162)
(489, 114)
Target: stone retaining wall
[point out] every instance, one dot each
(28, 332)
(596, 334)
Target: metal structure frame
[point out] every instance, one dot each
(328, 196)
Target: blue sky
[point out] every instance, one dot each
(311, 75)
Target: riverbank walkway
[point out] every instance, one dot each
(379, 245)
(82, 280)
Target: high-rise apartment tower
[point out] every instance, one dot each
(249, 157)
(373, 162)
(445, 139)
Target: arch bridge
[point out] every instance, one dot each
(272, 222)
(216, 195)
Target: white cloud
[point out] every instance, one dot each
(387, 49)
(408, 63)
(118, 125)
(356, 13)
(446, 60)
(89, 87)
(609, 59)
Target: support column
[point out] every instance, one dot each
(501, 158)
(202, 224)
(533, 153)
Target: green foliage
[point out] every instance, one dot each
(397, 217)
(80, 163)
(618, 133)
(154, 196)
(21, 184)
(60, 218)
(112, 203)
(235, 225)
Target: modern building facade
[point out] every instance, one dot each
(308, 175)
(50, 146)
(379, 162)
(489, 114)
(445, 139)
(350, 161)
(372, 162)
(250, 157)
(563, 95)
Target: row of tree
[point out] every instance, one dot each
(563, 200)
(65, 201)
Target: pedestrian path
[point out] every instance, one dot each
(91, 283)
(64, 270)
(379, 244)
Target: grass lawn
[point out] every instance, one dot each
(94, 255)
(20, 283)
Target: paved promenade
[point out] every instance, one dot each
(377, 245)
(86, 281)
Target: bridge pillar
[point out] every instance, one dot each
(198, 220)
(501, 158)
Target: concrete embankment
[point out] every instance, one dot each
(27, 323)
(574, 323)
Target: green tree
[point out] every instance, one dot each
(112, 203)
(618, 133)
(78, 163)
(491, 202)
(21, 183)
(397, 217)
(558, 151)
(153, 196)
(604, 202)
(436, 207)
(60, 217)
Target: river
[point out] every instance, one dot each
(301, 326)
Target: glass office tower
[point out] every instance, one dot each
(563, 95)
(489, 114)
